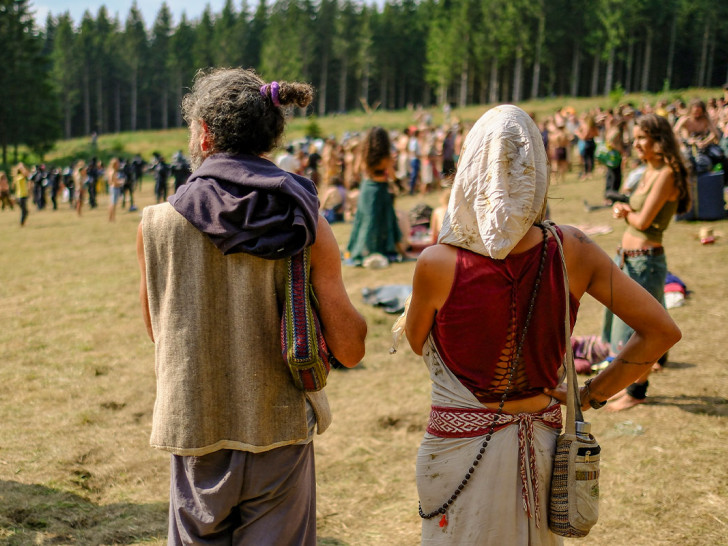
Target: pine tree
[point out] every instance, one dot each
(135, 41)
(65, 70)
(159, 59)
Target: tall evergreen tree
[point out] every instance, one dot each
(28, 107)
(86, 51)
(227, 47)
(182, 67)
(325, 33)
(203, 52)
(256, 36)
(345, 47)
(65, 70)
(103, 63)
(440, 63)
(282, 53)
(135, 41)
(159, 58)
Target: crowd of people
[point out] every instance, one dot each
(81, 182)
(605, 136)
(424, 158)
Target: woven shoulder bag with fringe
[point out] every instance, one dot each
(574, 502)
(302, 342)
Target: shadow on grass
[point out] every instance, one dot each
(699, 405)
(679, 365)
(36, 514)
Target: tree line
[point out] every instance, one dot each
(102, 74)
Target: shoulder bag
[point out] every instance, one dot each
(302, 342)
(574, 502)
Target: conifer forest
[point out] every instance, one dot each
(104, 74)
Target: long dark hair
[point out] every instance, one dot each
(375, 147)
(661, 133)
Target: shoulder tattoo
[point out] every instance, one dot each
(583, 238)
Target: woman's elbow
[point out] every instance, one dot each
(673, 335)
(666, 335)
(415, 344)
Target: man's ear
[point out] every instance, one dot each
(205, 137)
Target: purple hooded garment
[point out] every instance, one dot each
(247, 204)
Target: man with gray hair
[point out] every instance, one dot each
(212, 290)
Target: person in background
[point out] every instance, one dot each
(5, 191)
(611, 158)
(68, 185)
(448, 155)
(180, 169)
(662, 192)
(288, 161)
(93, 172)
(139, 166)
(38, 183)
(161, 173)
(414, 154)
(80, 182)
(701, 138)
(438, 215)
(20, 181)
(312, 164)
(213, 283)
(128, 178)
(586, 133)
(54, 183)
(559, 143)
(376, 229)
(333, 201)
(489, 298)
(114, 182)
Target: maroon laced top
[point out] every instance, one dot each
(478, 327)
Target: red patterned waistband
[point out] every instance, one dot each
(472, 422)
(448, 422)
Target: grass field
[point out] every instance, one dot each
(77, 390)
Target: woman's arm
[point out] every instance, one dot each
(592, 271)
(431, 286)
(662, 190)
(343, 327)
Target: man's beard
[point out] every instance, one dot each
(196, 155)
(195, 148)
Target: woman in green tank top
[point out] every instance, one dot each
(662, 192)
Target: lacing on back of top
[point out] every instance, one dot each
(500, 377)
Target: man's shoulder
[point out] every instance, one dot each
(161, 213)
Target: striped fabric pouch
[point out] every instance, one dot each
(302, 342)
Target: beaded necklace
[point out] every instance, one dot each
(511, 371)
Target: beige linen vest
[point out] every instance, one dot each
(221, 380)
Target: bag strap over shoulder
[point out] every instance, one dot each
(573, 407)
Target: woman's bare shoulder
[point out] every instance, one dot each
(438, 253)
(576, 242)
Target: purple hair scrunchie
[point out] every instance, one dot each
(273, 87)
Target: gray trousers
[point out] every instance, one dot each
(244, 499)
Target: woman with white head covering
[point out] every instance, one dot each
(487, 314)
